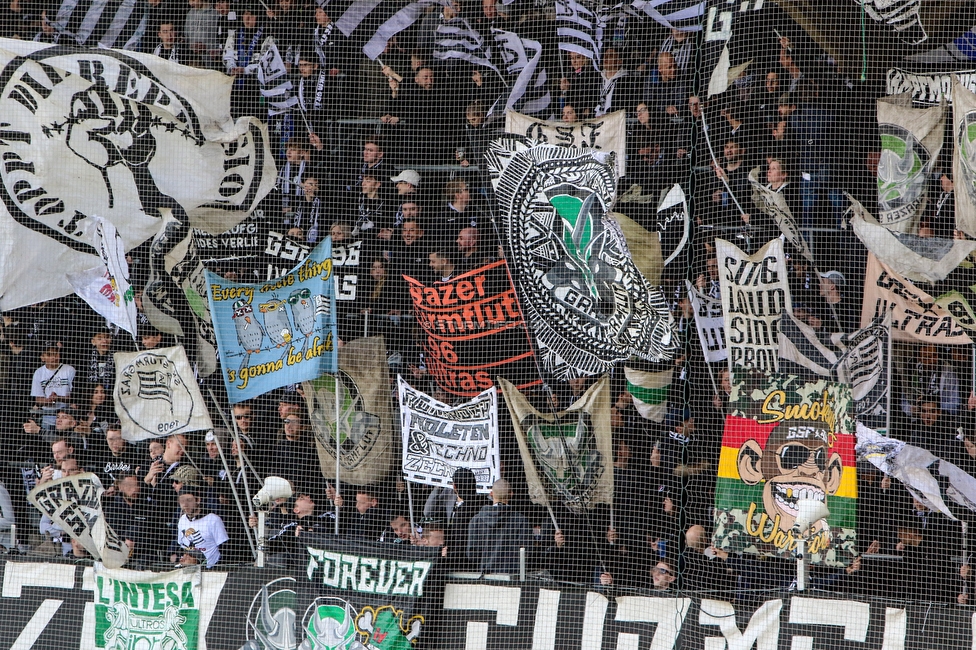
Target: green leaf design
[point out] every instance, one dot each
(577, 217)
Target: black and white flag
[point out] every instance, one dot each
(398, 22)
(710, 324)
(74, 504)
(859, 360)
(577, 29)
(673, 224)
(934, 481)
(459, 40)
(357, 13)
(684, 15)
(899, 15)
(102, 23)
(439, 438)
(528, 94)
(276, 87)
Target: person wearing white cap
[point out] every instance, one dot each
(407, 183)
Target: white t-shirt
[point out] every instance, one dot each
(204, 534)
(49, 382)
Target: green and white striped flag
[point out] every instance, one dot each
(650, 392)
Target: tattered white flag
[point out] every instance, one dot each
(106, 287)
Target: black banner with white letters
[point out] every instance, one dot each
(487, 614)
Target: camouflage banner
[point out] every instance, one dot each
(786, 440)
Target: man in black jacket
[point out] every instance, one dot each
(497, 532)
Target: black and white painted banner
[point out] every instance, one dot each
(755, 291)
(245, 240)
(54, 606)
(156, 394)
(915, 315)
(438, 438)
(606, 133)
(583, 297)
(130, 137)
(74, 504)
(927, 88)
(710, 323)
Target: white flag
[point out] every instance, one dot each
(74, 504)
(106, 287)
(122, 135)
(710, 324)
(156, 394)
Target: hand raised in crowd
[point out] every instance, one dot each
(606, 579)
(152, 475)
(612, 535)
(34, 428)
(47, 474)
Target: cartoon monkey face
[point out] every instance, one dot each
(796, 464)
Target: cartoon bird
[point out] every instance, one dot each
(276, 321)
(303, 312)
(250, 335)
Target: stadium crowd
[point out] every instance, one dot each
(386, 157)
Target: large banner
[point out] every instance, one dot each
(264, 609)
(787, 439)
(156, 394)
(259, 354)
(964, 157)
(367, 595)
(710, 323)
(584, 299)
(474, 331)
(928, 87)
(755, 291)
(142, 609)
(438, 438)
(74, 504)
(911, 139)
(130, 137)
(915, 315)
(365, 438)
(568, 456)
(607, 133)
(923, 259)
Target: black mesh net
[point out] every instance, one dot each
(520, 323)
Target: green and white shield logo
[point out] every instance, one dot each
(902, 174)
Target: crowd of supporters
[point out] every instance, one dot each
(386, 157)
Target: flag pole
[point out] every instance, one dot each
(413, 526)
(230, 476)
(335, 351)
(890, 364)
